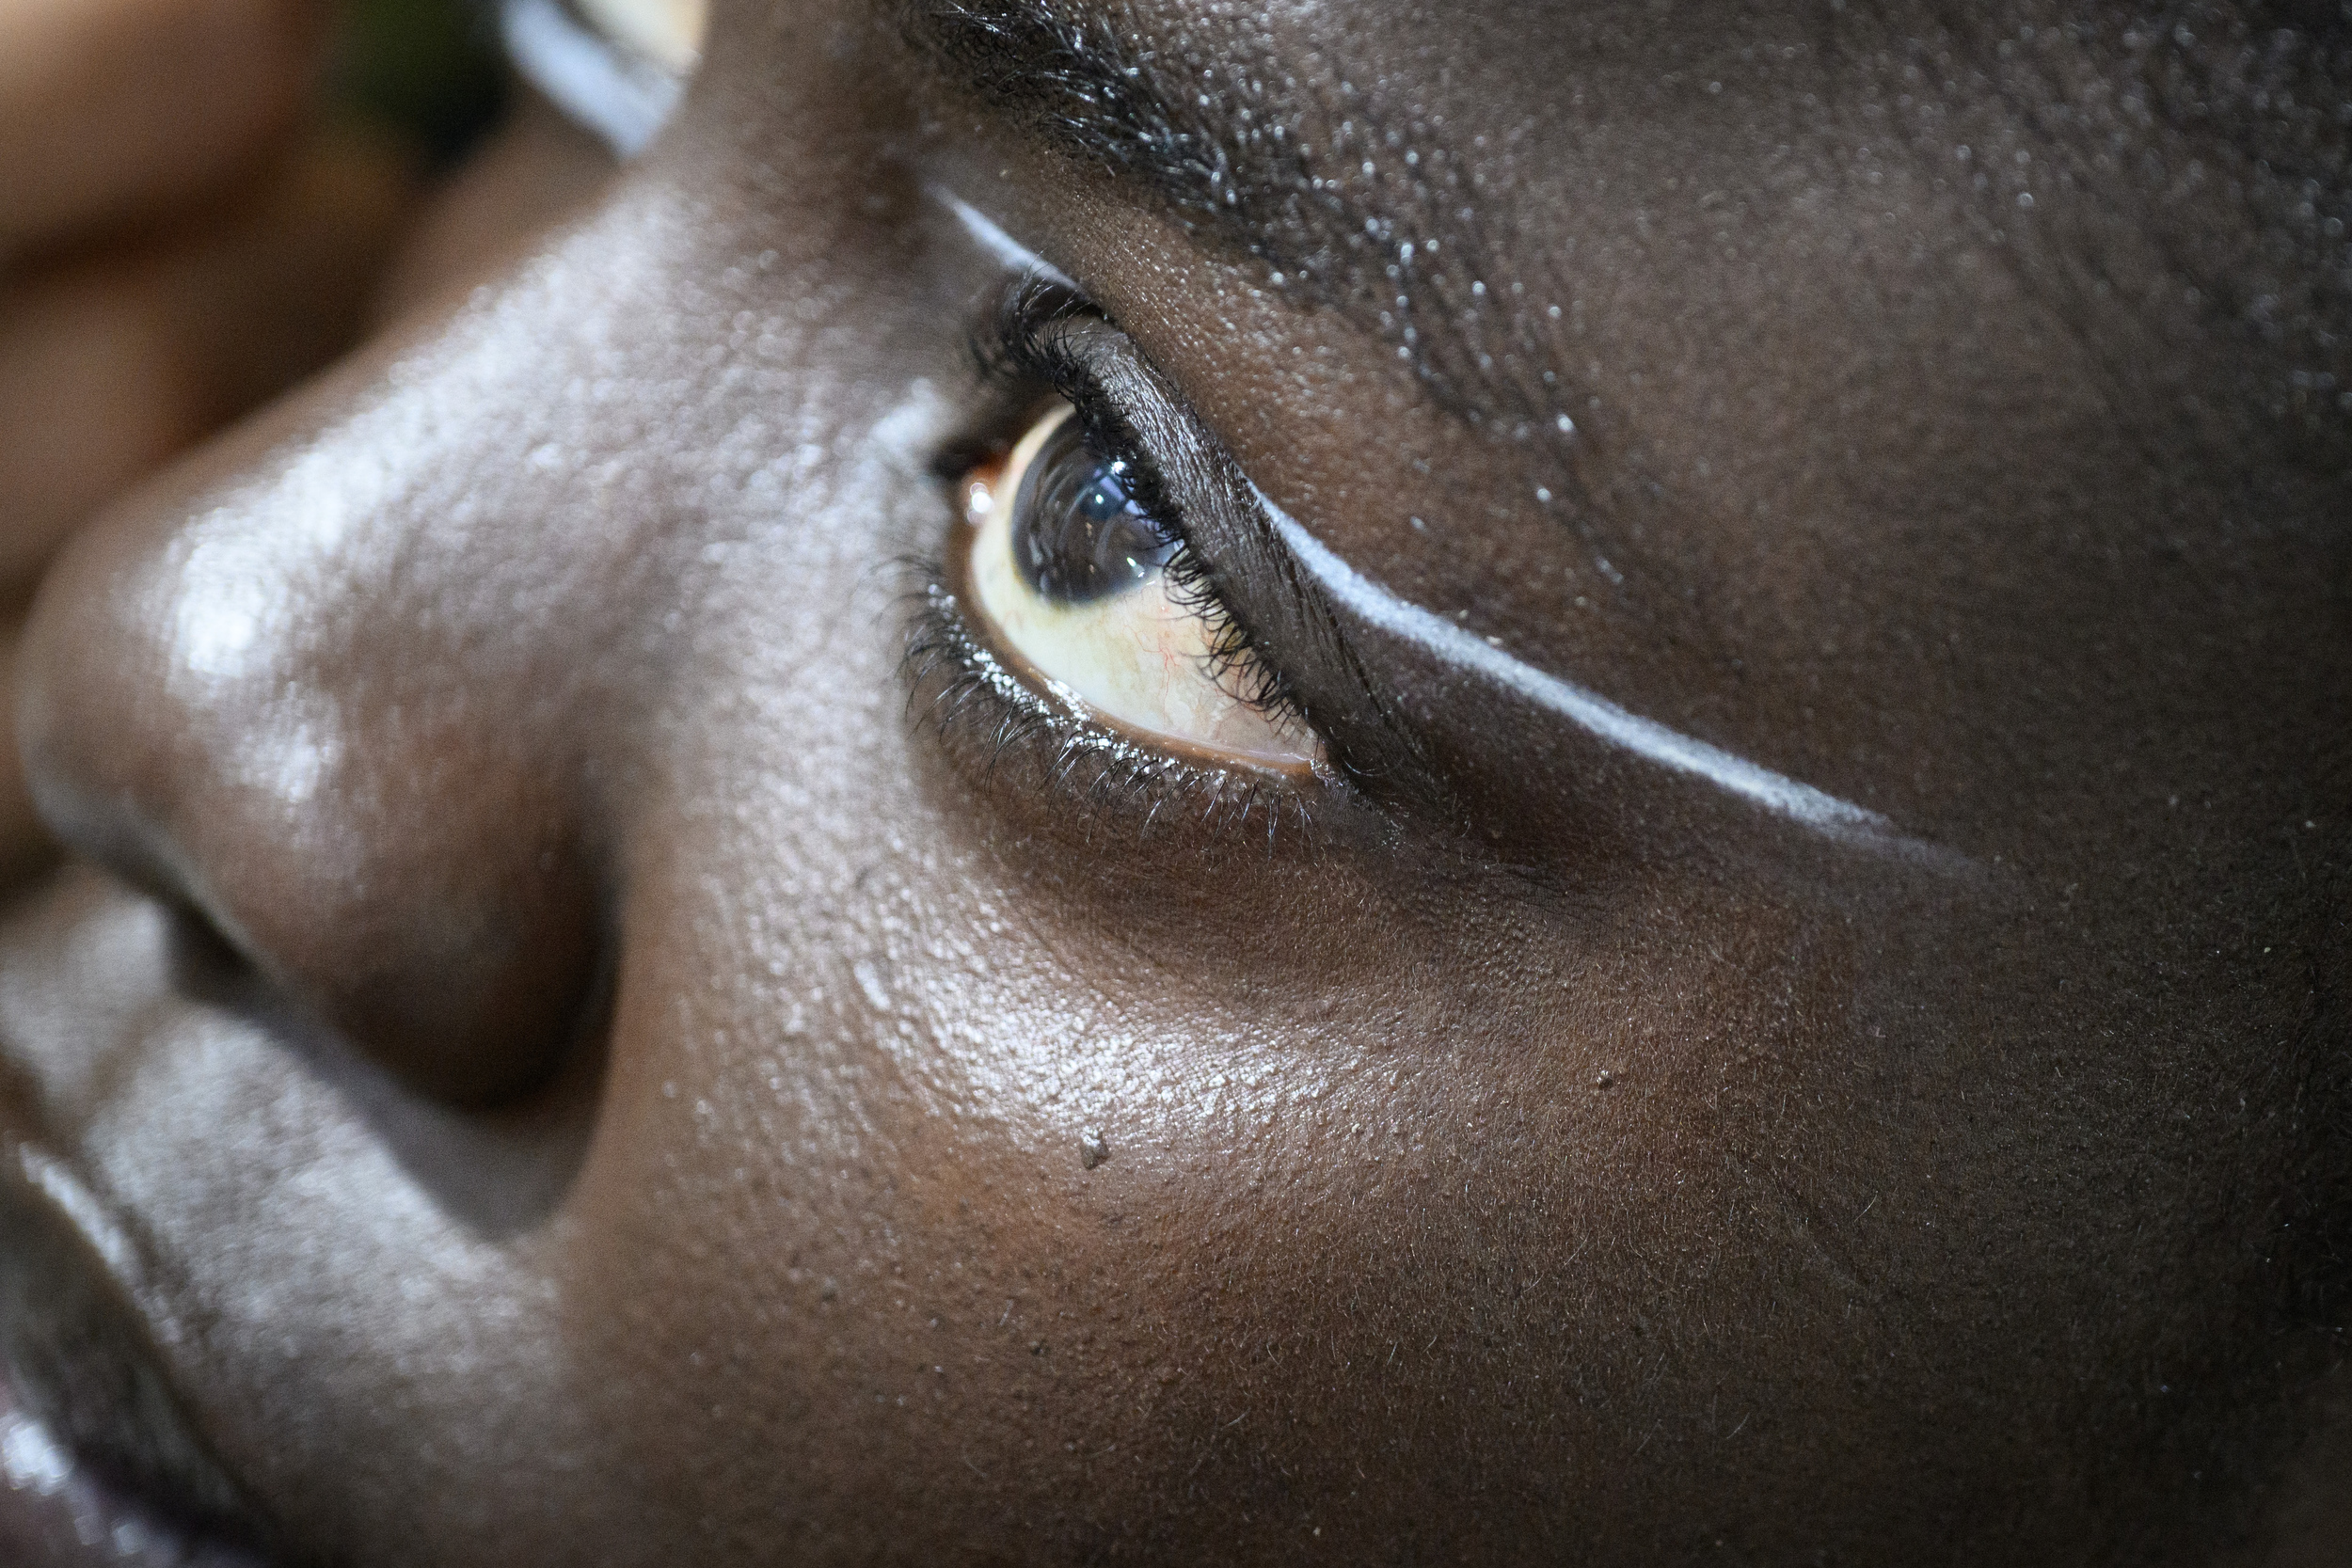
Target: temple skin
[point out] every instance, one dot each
(596, 1075)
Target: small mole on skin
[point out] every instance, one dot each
(1092, 1151)
(1606, 1080)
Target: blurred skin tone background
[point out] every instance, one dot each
(202, 202)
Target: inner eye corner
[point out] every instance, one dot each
(960, 456)
(984, 448)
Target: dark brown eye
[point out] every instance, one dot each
(1067, 572)
(1079, 533)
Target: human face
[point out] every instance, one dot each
(1788, 1006)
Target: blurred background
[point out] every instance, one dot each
(426, 74)
(203, 203)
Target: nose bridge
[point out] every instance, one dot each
(365, 690)
(344, 705)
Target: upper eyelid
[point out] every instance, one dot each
(1017, 383)
(1228, 537)
(1375, 744)
(1019, 358)
(1022, 352)
(1317, 576)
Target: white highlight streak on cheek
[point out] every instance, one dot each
(985, 233)
(1588, 710)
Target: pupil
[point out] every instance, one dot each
(1077, 535)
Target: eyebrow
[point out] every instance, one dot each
(1349, 207)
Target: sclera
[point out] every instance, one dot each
(1144, 660)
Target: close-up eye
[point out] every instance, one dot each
(1094, 599)
(882, 783)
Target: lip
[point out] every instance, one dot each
(99, 1463)
(56, 1512)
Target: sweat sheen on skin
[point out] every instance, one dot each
(1814, 809)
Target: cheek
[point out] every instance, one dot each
(951, 1175)
(954, 1169)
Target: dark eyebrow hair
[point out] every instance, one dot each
(1349, 207)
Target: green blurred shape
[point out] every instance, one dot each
(430, 70)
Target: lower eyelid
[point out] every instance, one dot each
(1010, 740)
(1142, 664)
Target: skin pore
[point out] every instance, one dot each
(590, 1058)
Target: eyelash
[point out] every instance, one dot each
(1021, 355)
(990, 718)
(992, 722)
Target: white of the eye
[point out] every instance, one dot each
(1140, 657)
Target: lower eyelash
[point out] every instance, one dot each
(1024, 352)
(1004, 733)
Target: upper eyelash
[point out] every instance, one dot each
(992, 719)
(1024, 352)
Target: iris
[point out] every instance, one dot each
(1079, 535)
(1075, 582)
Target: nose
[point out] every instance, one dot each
(324, 696)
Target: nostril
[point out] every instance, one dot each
(455, 942)
(458, 947)
(470, 986)
(361, 819)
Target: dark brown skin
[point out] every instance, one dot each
(596, 1080)
(181, 238)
